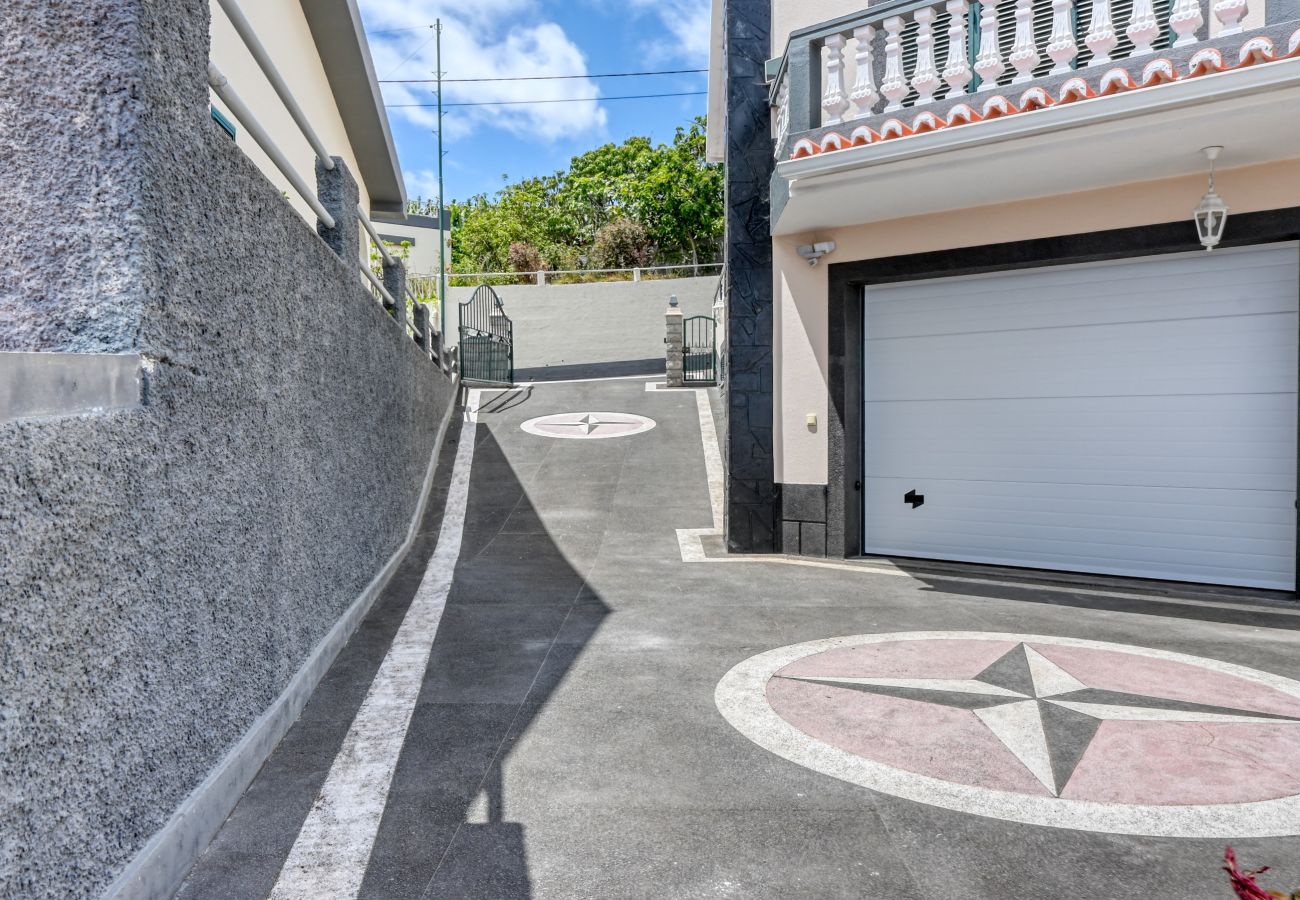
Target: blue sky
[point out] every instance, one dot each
(493, 38)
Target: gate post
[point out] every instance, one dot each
(676, 341)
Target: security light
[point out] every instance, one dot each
(814, 252)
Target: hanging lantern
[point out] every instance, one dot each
(1212, 213)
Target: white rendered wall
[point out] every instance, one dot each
(283, 30)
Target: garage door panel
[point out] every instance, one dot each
(1174, 288)
(1134, 419)
(1033, 506)
(1012, 524)
(1183, 357)
(1182, 441)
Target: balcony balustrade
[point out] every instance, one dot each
(967, 61)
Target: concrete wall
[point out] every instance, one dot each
(583, 330)
(165, 571)
(802, 363)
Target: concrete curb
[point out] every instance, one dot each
(160, 868)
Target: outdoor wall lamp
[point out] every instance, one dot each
(814, 252)
(1212, 213)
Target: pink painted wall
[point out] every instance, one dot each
(800, 290)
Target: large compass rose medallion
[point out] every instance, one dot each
(1044, 715)
(588, 425)
(1045, 730)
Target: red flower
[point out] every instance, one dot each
(1243, 883)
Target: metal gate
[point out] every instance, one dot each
(700, 351)
(487, 345)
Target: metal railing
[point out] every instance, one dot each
(542, 277)
(425, 334)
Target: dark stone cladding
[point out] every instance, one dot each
(845, 297)
(751, 494)
(803, 519)
(164, 572)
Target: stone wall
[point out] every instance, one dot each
(165, 571)
(751, 495)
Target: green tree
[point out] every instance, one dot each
(669, 197)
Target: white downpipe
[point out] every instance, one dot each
(245, 117)
(245, 29)
(379, 286)
(374, 235)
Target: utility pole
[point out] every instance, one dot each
(442, 208)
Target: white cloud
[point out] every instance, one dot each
(421, 183)
(687, 23)
(484, 39)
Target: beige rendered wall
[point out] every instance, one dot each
(800, 290)
(791, 15)
(283, 30)
(423, 258)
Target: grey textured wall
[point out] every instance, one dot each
(579, 330)
(165, 571)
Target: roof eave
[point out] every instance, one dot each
(340, 39)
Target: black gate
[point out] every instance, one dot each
(700, 352)
(487, 345)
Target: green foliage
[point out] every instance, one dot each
(622, 244)
(663, 203)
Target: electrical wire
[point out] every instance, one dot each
(542, 77)
(561, 100)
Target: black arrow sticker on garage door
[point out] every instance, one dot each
(914, 498)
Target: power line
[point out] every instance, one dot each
(411, 55)
(562, 100)
(542, 77)
(396, 30)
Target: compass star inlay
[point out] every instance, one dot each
(1052, 731)
(588, 425)
(1044, 715)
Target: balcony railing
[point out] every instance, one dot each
(909, 54)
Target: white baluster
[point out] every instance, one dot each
(956, 70)
(1024, 52)
(925, 78)
(1061, 46)
(1185, 19)
(893, 86)
(834, 103)
(1101, 37)
(1230, 13)
(864, 94)
(1143, 28)
(988, 64)
(782, 114)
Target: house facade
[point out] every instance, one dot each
(319, 50)
(420, 236)
(996, 334)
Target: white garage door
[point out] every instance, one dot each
(1132, 418)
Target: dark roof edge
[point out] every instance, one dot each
(340, 38)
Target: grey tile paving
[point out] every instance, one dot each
(567, 744)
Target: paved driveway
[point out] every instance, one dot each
(599, 705)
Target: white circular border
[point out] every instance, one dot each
(741, 697)
(531, 426)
